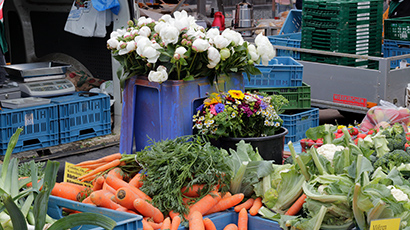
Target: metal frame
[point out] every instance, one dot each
(374, 85)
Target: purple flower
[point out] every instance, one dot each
(219, 107)
(246, 110)
(264, 105)
(200, 108)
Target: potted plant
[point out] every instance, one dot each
(171, 64)
(229, 117)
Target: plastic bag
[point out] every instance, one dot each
(84, 20)
(102, 5)
(385, 115)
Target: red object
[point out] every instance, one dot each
(219, 21)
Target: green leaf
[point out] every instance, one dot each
(7, 156)
(83, 219)
(17, 218)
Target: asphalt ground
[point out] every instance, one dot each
(102, 146)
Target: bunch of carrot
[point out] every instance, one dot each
(112, 188)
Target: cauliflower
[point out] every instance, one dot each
(398, 194)
(328, 151)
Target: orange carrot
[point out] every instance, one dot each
(136, 181)
(226, 195)
(209, 225)
(231, 227)
(66, 191)
(108, 187)
(257, 204)
(98, 183)
(226, 203)
(116, 183)
(204, 204)
(176, 221)
(297, 206)
(193, 191)
(100, 169)
(101, 199)
(93, 166)
(147, 209)
(87, 200)
(146, 225)
(125, 197)
(152, 223)
(195, 221)
(117, 172)
(166, 225)
(173, 214)
(106, 159)
(247, 205)
(243, 219)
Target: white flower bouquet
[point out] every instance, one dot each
(176, 48)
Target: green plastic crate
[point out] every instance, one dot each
(397, 29)
(298, 97)
(341, 60)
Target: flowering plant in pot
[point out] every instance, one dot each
(176, 48)
(229, 117)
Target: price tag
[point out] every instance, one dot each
(72, 172)
(385, 224)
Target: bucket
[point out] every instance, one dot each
(269, 148)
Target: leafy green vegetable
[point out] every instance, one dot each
(323, 131)
(395, 136)
(170, 165)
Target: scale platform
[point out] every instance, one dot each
(24, 102)
(48, 88)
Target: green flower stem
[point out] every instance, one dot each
(193, 60)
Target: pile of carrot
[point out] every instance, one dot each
(114, 189)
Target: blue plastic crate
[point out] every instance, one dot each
(125, 221)
(83, 115)
(293, 22)
(288, 40)
(281, 72)
(393, 48)
(39, 123)
(221, 219)
(298, 122)
(164, 111)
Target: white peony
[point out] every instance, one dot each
(169, 34)
(147, 49)
(213, 56)
(112, 43)
(145, 31)
(160, 25)
(117, 33)
(131, 46)
(181, 20)
(221, 42)
(212, 33)
(160, 75)
(264, 48)
(200, 45)
(166, 18)
(253, 52)
(180, 52)
(143, 21)
(233, 36)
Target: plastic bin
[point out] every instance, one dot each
(228, 217)
(39, 123)
(395, 48)
(83, 115)
(397, 29)
(281, 72)
(298, 97)
(293, 22)
(289, 40)
(125, 221)
(164, 111)
(298, 122)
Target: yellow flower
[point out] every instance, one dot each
(237, 94)
(214, 98)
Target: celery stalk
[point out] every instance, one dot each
(292, 150)
(327, 139)
(358, 167)
(346, 155)
(320, 217)
(315, 158)
(237, 179)
(375, 212)
(302, 167)
(358, 214)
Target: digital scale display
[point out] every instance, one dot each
(48, 88)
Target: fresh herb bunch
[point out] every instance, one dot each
(238, 114)
(25, 169)
(170, 165)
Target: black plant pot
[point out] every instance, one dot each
(270, 147)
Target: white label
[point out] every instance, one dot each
(363, 26)
(363, 15)
(363, 19)
(363, 7)
(29, 119)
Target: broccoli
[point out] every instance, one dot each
(395, 136)
(391, 159)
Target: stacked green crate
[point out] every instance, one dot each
(344, 26)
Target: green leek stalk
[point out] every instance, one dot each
(320, 217)
(358, 167)
(346, 155)
(321, 197)
(358, 214)
(302, 167)
(327, 139)
(375, 212)
(315, 158)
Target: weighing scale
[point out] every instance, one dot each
(41, 79)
